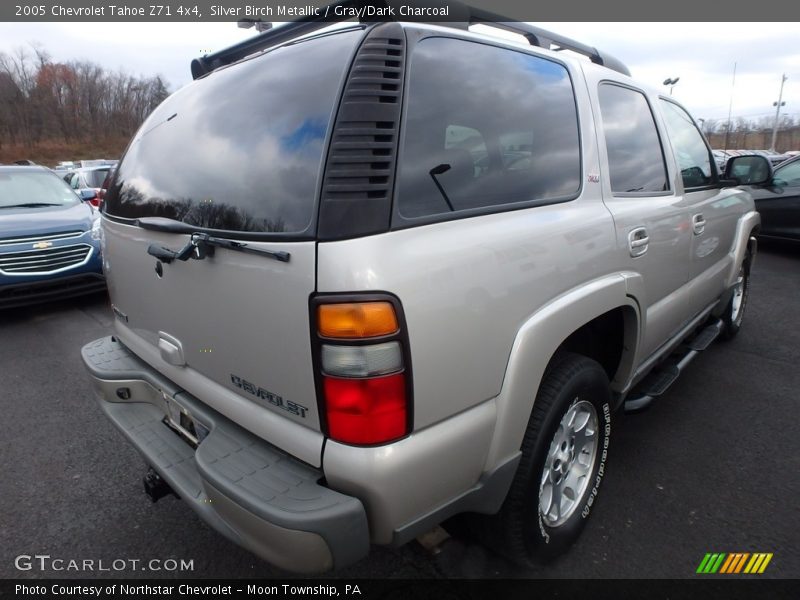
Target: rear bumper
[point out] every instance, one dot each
(248, 490)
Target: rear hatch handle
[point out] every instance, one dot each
(200, 245)
(166, 255)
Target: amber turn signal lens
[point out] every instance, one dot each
(357, 320)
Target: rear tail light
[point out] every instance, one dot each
(363, 372)
(362, 361)
(366, 411)
(355, 320)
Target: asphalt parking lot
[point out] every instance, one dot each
(713, 467)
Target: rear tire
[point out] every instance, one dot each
(734, 313)
(564, 452)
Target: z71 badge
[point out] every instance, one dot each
(274, 399)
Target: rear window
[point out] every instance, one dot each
(240, 150)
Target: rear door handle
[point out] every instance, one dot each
(638, 241)
(698, 224)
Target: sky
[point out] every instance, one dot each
(702, 55)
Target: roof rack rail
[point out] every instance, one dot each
(542, 38)
(291, 30)
(459, 13)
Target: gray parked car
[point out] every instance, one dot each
(387, 274)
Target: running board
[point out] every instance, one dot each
(659, 379)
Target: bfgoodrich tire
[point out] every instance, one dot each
(563, 462)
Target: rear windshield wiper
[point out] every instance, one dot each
(202, 245)
(31, 205)
(204, 238)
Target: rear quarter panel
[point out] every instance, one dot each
(467, 286)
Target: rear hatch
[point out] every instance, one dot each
(238, 156)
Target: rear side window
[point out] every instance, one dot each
(635, 157)
(691, 152)
(96, 178)
(241, 149)
(485, 128)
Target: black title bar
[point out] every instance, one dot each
(710, 588)
(409, 10)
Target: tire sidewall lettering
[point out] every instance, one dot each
(601, 468)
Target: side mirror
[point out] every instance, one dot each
(749, 170)
(87, 194)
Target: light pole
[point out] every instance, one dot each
(777, 106)
(671, 83)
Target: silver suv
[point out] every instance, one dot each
(371, 277)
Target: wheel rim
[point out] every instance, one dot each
(737, 302)
(569, 464)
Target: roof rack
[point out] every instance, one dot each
(458, 13)
(548, 40)
(273, 37)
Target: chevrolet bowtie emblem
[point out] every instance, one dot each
(42, 245)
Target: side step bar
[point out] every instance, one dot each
(659, 380)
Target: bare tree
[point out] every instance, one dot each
(77, 100)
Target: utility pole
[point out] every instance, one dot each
(730, 107)
(777, 106)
